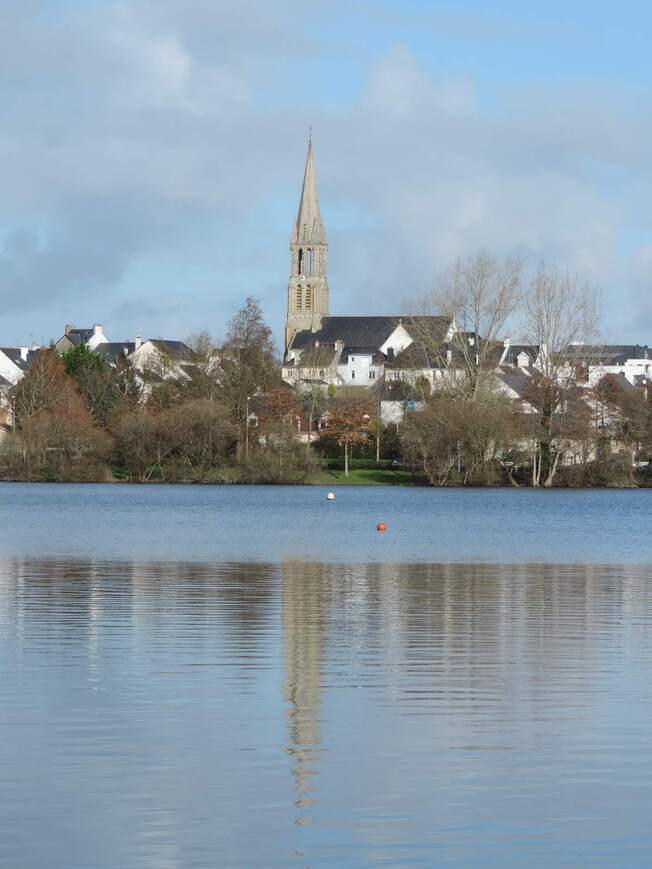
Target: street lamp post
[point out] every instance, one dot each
(247, 431)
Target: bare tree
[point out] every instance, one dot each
(42, 387)
(247, 365)
(561, 319)
(202, 370)
(479, 295)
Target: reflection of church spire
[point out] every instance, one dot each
(303, 608)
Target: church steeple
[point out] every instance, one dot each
(309, 226)
(308, 284)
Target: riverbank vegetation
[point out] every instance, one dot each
(223, 415)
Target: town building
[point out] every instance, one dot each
(73, 337)
(336, 350)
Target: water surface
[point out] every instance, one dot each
(272, 523)
(200, 677)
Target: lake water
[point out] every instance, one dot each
(255, 677)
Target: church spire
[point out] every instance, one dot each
(308, 284)
(309, 227)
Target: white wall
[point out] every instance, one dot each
(8, 370)
(397, 341)
(632, 369)
(357, 369)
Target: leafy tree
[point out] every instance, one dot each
(55, 435)
(350, 423)
(96, 380)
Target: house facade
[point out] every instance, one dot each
(91, 337)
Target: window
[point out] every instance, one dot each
(309, 261)
(299, 298)
(321, 372)
(372, 374)
(353, 359)
(353, 375)
(308, 297)
(300, 261)
(390, 354)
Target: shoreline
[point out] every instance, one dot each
(319, 483)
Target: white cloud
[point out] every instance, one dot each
(133, 129)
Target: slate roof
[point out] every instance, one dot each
(418, 356)
(621, 382)
(79, 336)
(318, 357)
(15, 355)
(178, 350)
(515, 350)
(4, 383)
(377, 358)
(422, 354)
(111, 351)
(516, 380)
(360, 332)
(609, 354)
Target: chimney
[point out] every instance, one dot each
(23, 353)
(67, 329)
(98, 329)
(139, 342)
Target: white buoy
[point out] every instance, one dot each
(331, 496)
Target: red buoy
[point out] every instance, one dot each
(381, 527)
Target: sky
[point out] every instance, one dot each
(152, 151)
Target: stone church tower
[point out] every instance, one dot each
(308, 284)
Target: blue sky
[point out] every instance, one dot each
(152, 154)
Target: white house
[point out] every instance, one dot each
(13, 362)
(633, 361)
(355, 351)
(73, 337)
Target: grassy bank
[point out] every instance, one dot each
(363, 472)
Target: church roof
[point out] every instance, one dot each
(365, 333)
(309, 226)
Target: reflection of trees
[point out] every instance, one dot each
(305, 595)
(181, 601)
